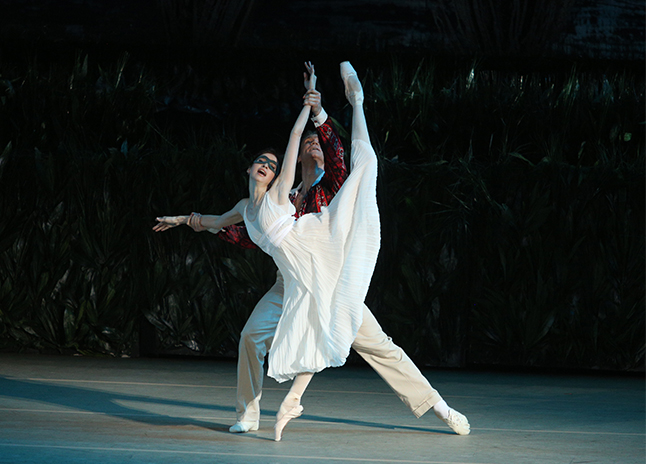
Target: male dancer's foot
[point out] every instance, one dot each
(457, 421)
(244, 427)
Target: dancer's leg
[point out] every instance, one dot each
(354, 94)
(291, 405)
(402, 375)
(359, 125)
(293, 397)
(394, 366)
(255, 340)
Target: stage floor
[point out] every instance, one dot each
(56, 409)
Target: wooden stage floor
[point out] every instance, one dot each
(57, 409)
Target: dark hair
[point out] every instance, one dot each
(273, 151)
(308, 133)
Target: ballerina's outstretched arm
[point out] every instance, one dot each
(285, 181)
(199, 223)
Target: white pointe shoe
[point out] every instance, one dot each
(244, 427)
(353, 89)
(457, 421)
(284, 419)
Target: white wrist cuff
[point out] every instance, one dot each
(319, 118)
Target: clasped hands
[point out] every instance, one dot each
(312, 97)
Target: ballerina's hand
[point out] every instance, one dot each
(168, 222)
(309, 76)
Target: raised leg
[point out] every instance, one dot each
(354, 94)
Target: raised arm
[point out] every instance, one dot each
(233, 216)
(285, 180)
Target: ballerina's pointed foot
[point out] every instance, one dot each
(284, 419)
(353, 89)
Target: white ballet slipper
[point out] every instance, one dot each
(457, 421)
(284, 419)
(244, 427)
(353, 89)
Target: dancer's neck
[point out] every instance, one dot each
(256, 194)
(309, 175)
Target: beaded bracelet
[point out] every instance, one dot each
(199, 221)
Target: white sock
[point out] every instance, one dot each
(441, 409)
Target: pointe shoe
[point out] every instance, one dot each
(244, 427)
(457, 421)
(353, 89)
(284, 419)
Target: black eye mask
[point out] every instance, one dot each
(273, 165)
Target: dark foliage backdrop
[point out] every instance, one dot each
(512, 206)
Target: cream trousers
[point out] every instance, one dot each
(386, 358)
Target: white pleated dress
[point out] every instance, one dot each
(327, 260)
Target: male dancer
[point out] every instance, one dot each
(323, 173)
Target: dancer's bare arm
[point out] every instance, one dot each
(285, 181)
(312, 97)
(199, 223)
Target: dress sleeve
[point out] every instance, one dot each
(335, 171)
(237, 235)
